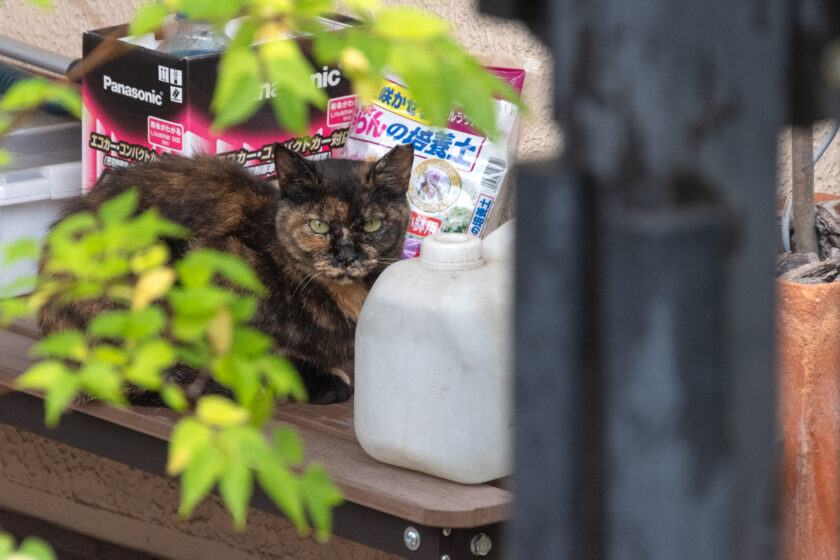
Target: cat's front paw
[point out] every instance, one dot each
(328, 388)
(335, 391)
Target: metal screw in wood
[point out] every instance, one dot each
(411, 537)
(480, 545)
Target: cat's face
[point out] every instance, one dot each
(341, 219)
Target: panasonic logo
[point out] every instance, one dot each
(322, 79)
(148, 96)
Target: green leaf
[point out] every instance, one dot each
(5, 158)
(42, 375)
(70, 345)
(195, 270)
(72, 226)
(245, 34)
(147, 18)
(145, 323)
(66, 97)
(406, 23)
(32, 92)
(288, 69)
(214, 10)
(421, 71)
(120, 208)
(188, 435)
(135, 325)
(282, 487)
(204, 301)
(283, 377)
(7, 544)
(250, 343)
(145, 229)
(152, 285)
(248, 443)
(174, 397)
(321, 496)
(102, 381)
(236, 486)
(262, 406)
(83, 289)
(287, 445)
(45, 4)
(241, 375)
(291, 111)
(196, 356)
(20, 249)
(190, 328)
(237, 271)
(219, 411)
(25, 94)
(201, 473)
(149, 360)
(220, 331)
(314, 8)
(58, 395)
(37, 549)
(242, 309)
(154, 256)
(111, 324)
(110, 354)
(11, 309)
(238, 87)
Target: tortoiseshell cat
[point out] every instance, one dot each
(317, 241)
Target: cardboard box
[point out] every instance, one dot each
(144, 103)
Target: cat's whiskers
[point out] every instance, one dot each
(307, 279)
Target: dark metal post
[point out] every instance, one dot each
(669, 462)
(554, 321)
(671, 108)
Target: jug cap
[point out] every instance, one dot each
(451, 251)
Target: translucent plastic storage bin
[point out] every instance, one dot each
(46, 169)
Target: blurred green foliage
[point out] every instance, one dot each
(154, 315)
(196, 312)
(31, 548)
(413, 44)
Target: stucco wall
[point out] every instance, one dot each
(77, 490)
(827, 170)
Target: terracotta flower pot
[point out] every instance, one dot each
(808, 332)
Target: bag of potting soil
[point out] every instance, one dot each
(458, 179)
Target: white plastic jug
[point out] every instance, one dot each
(433, 360)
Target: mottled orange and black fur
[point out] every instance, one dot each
(317, 282)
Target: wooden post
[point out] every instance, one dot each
(802, 159)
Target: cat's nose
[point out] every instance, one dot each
(346, 255)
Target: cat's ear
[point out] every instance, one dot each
(393, 170)
(291, 168)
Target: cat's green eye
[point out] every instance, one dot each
(318, 226)
(372, 225)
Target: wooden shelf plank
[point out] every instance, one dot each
(328, 437)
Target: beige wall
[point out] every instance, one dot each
(61, 30)
(827, 170)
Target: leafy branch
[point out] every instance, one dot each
(414, 44)
(152, 316)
